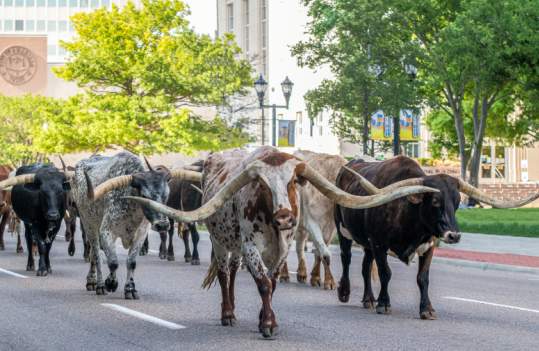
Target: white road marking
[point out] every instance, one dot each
(491, 304)
(153, 251)
(292, 272)
(60, 236)
(13, 273)
(144, 316)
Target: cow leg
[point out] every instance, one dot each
(284, 276)
(315, 273)
(366, 269)
(425, 307)
(47, 257)
(42, 248)
(170, 251)
(235, 262)
(3, 223)
(301, 238)
(29, 244)
(343, 290)
(329, 282)
(86, 244)
(195, 261)
(163, 245)
(130, 292)
(19, 244)
(73, 229)
(185, 237)
(107, 244)
(384, 272)
(267, 323)
(94, 280)
(145, 247)
(220, 255)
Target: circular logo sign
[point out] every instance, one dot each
(17, 65)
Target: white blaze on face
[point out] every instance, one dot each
(277, 178)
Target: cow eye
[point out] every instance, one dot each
(300, 180)
(436, 202)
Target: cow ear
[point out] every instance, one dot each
(415, 199)
(67, 186)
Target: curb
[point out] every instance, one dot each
(486, 266)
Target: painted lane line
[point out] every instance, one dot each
(491, 304)
(143, 316)
(153, 251)
(13, 273)
(60, 236)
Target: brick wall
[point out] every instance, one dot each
(512, 191)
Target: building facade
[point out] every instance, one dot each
(23, 23)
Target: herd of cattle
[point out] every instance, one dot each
(254, 204)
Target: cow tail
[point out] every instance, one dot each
(211, 275)
(374, 271)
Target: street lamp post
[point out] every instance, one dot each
(411, 71)
(261, 86)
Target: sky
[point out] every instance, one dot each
(203, 16)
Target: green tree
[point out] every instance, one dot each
(368, 57)
(21, 119)
(143, 70)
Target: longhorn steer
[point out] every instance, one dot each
(39, 200)
(251, 204)
(401, 228)
(316, 219)
(107, 216)
(5, 208)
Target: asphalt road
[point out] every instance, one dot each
(477, 310)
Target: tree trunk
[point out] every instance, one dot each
(459, 126)
(366, 118)
(479, 133)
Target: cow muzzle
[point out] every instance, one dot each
(53, 216)
(450, 237)
(284, 219)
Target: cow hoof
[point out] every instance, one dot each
(143, 252)
(111, 284)
(343, 293)
(315, 281)
(20, 250)
(86, 259)
(42, 273)
(30, 268)
(188, 258)
(162, 256)
(195, 262)
(368, 304)
(49, 270)
(171, 258)
(284, 279)
(131, 295)
(383, 309)
(228, 321)
(71, 251)
(301, 278)
(428, 315)
(329, 285)
(100, 290)
(90, 286)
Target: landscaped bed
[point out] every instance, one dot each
(515, 222)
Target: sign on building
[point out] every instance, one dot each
(382, 126)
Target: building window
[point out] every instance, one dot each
(230, 18)
(40, 3)
(19, 3)
(51, 3)
(95, 4)
(8, 25)
(62, 26)
(51, 50)
(19, 25)
(51, 26)
(40, 26)
(321, 130)
(246, 25)
(73, 3)
(62, 3)
(30, 3)
(30, 25)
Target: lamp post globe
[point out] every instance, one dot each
(287, 86)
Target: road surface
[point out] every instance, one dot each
(477, 310)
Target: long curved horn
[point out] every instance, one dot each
(372, 189)
(148, 163)
(353, 201)
(209, 208)
(105, 187)
(197, 188)
(193, 168)
(184, 174)
(17, 180)
(483, 197)
(63, 163)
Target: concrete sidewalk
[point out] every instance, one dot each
(495, 250)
